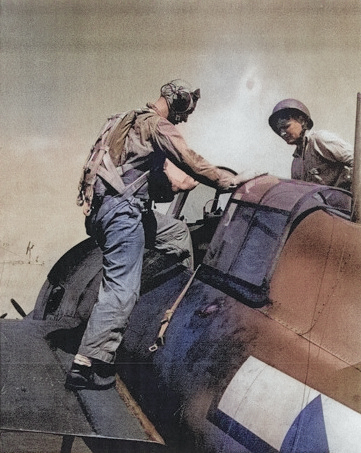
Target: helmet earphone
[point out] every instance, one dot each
(180, 97)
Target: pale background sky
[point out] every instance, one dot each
(68, 64)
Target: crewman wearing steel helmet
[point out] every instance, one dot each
(122, 227)
(320, 156)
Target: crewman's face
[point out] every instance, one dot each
(290, 130)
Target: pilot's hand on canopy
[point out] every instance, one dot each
(245, 176)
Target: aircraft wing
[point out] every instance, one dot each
(36, 409)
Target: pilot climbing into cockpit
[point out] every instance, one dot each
(120, 179)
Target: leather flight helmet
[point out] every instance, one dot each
(289, 106)
(180, 97)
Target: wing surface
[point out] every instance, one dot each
(35, 407)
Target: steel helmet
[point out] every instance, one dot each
(290, 105)
(180, 97)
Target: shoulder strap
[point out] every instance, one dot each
(104, 157)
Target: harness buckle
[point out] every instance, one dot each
(159, 342)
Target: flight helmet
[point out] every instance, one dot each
(181, 99)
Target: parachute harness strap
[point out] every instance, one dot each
(160, 341)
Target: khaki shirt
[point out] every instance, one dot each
(152, 132)
(322, 158)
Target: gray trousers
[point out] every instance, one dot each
(168, 235)
(120, 235)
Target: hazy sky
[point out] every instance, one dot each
(68, 64)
